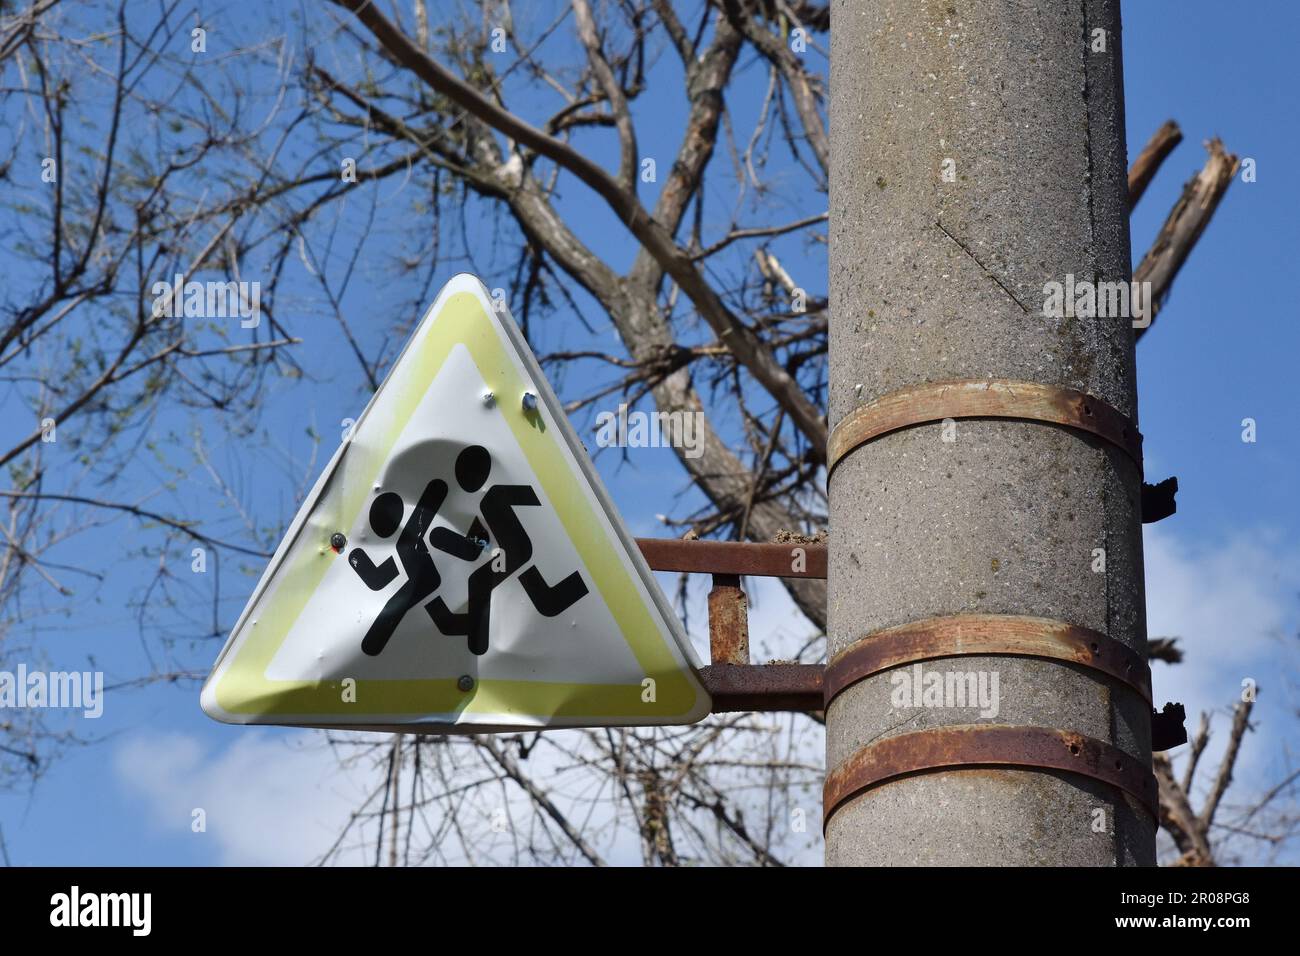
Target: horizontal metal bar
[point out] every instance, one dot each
(792, 560)
(764, 687)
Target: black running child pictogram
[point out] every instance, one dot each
(514, 550)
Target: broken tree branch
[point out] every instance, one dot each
(1186, 221)
(1144, 167)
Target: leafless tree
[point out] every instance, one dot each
(99, 161)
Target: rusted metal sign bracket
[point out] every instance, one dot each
(764, 687)
(737, 685)
(732, 681)
(980, 745)
(792, 560)
(983, 398)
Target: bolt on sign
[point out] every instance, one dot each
(459, 565)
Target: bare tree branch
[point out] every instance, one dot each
(1148, 161)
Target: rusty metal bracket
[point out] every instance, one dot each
(983, 398)
(986, 634)
(733, 683)
(763, 687)
(981, 745)
(728, 621)
(792, 560)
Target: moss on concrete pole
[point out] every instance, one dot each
(978, 154)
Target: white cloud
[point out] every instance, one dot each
(270, 799)
(1232, 605)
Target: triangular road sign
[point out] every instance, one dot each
(459, 566)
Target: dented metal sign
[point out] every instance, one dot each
(458, 566)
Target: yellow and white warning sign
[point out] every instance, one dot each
(459, 565)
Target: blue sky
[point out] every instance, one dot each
(1223, 573)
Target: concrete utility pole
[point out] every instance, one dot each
(978, 153)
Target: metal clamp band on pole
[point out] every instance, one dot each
(989, 634)
(983, 398)
(988, 745)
